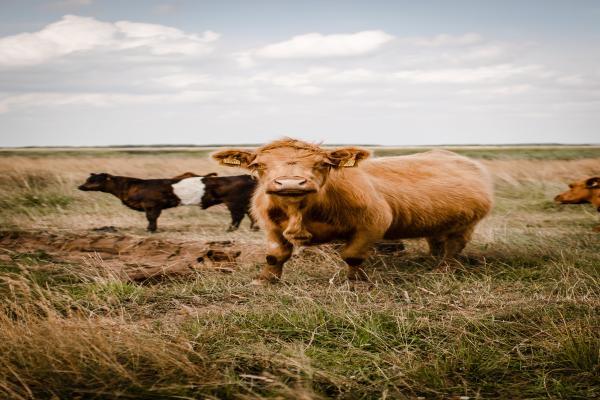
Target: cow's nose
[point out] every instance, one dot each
(290, 182)
(558, 198)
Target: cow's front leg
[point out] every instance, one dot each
(355, 253)
(152, 215)
(279, 250)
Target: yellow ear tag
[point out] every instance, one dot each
(350, 163)
(231, 161)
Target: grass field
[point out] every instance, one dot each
(519, 320)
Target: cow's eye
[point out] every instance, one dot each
(322, 165)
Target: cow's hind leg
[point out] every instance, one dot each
(437, 246)
(237, 215)
(454, 245)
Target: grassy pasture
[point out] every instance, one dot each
(518, 320)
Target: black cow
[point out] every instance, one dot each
(235, 192)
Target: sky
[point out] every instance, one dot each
(104, 72)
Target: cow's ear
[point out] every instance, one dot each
(593, 183)
(347, 157)
(234, 158)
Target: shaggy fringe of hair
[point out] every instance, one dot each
(293, 143)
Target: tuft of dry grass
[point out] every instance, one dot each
(519, 318)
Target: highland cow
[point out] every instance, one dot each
(308, 195)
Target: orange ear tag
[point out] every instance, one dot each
(232, 161)
(350, 163)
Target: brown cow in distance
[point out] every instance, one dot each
(583, 191)
(309, 195)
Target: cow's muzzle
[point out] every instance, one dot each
(291, 186)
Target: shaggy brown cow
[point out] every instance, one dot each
(583, 191)
(149, 195)
(308, 195)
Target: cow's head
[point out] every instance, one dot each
(583, 191)
(292, 168)
(96, 182)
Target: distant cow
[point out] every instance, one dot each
(583, 191)
(235, 192)
(150, 195)
(308, 195)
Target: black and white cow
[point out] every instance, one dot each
(154, 195)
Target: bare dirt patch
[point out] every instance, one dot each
(135, 257)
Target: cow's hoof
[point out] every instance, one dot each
(596, 228)
(357, 274)
(263, 282)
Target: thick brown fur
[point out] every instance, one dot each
(437, 195)
(582, 191)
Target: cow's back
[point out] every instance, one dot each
(432, 192)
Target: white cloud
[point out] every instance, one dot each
(244, 59)
(444, 40)
(471, 75)
(320, 76)
(77, 34)
(572, 80)
(498, 90)
(161, 40)
(183, 80)
(53, 99)
(316, 45)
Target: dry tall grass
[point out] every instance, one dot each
(518, 320)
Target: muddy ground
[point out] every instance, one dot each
(129, 256)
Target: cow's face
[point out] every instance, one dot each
(290, 168)
(212, 193)
(580, 192)
(96, 182)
